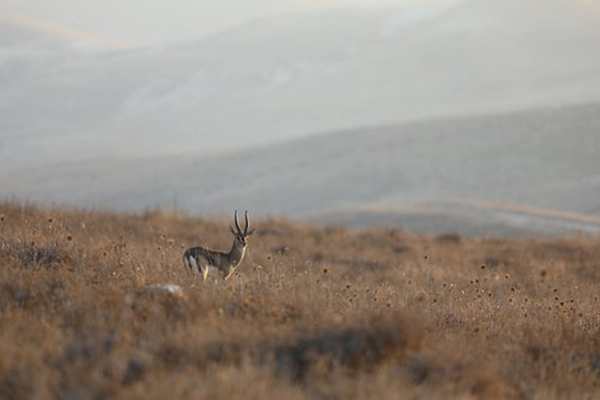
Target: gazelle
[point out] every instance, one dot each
(201, 260)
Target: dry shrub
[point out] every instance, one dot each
(357, 349)
(451, 238)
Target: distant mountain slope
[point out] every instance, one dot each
(548, 158)
(39, 106)
(15, 31)
(291, 75)
(18, 29)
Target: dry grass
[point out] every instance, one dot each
(312, 312)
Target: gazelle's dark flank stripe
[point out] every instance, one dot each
(201, 261)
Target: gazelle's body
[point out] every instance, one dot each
(201, 261)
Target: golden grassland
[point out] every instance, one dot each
(313, 312)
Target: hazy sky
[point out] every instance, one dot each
(158, 21)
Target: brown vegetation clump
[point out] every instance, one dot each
(357, 349)
(99, 305)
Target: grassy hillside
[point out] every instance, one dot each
(314, 312)
(546, 158)
(289, 75)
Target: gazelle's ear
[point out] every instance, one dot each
(233, 230)
(251, 232)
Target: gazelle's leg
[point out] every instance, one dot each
(231, 271)
(205, 274)
(193, 265)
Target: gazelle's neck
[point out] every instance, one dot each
(236, 254)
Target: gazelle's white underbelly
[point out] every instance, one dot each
(212, 270)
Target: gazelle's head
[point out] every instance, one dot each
(240, 235)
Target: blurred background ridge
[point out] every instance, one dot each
(411, 113)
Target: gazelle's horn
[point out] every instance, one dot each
(247, 223)
(237, 224)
